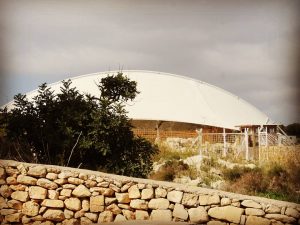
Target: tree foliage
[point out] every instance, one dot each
(74, 129)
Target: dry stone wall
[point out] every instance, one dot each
(45, 194)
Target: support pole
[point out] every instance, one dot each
(224, 140)
(247, 143)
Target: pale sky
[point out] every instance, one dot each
(249, 48)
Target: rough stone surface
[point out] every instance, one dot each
(53, 203)
(37, 171)
(225, 201)
(216, 223)
(123, 197)
(97, 203)
(114, 209)
(159, 203)
(198, 215)
(14, 204)
(68, 213)
(180, 212)
(280, 217)
(105, 217)
(54, 215)
(52, 194)
(13, 218)
(189, 199)
(37, 192)
(209, 200)
(138, 204)
(134, 192)
(160, 193)
(48, 184)
(251, 204)
(128, 214)
(161, 215)
(228, 213)
(66, 192)
(22, 179)
(85, 205)
(30, 208)
(147, 193)
(175, 196)
(292, 212)
(81, 191)
(92, 216)
(51, 176)
(73, 204)
(141, 215)
(254, 220)
(254, 212)
(272, 209)
(20, 195)
(76, 181)
(120, 218)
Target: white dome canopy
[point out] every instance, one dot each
(176, 98)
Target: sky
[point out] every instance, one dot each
(249, 48)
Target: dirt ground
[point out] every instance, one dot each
(147, 222)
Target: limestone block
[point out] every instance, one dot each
(54, 215)
(159, 203)
(254, 220)
(160, 192)
(123, 197)
(126, 186)
(20, 195)
(292, 212)
(37, 171)
(141, 186)
(90, 183)
(73, 204)
(51, 176)
(18, 187)
(30, 208)
(141, 215)
(11, 180)
(53, 170)
(189, 199)
(114, 187)
(2, 173)
(228, 213)
(14, 204)
(79, 214)
(76, 181)
(13, 218)
(280, 217)
(5, 191)
(138, 204)
(114, 209)
(92, 216)
(48, 184)
(134, 192)
(36, 192)
(11, 171)
(22, 169)
(161, 215)
(70, 222)
(27, 180)
(99, 179)
(81, 191)
(5, 212)
(109, 201)
(129, 215)
(66, 192)
(68, 214)
(147, 193)
(42, 209)
(198, 215)
(209, 199)
(83, 176)
(103, 184)
(175, 196)
(67, 174)
(53, 203)
(180, 212)
(85, 205)
(272, 209)
(97, 203)
(60, 181)
(251, 204)
(85, 221)
(105, 217)
(52, 194)
(120, 218)
(254, 212)
(124, 206)
(225, 201)
(69, 186)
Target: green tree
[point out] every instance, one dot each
(73, 129)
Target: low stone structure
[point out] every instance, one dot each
(46, 194)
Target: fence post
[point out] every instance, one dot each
(224, 140)
(247, 143)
